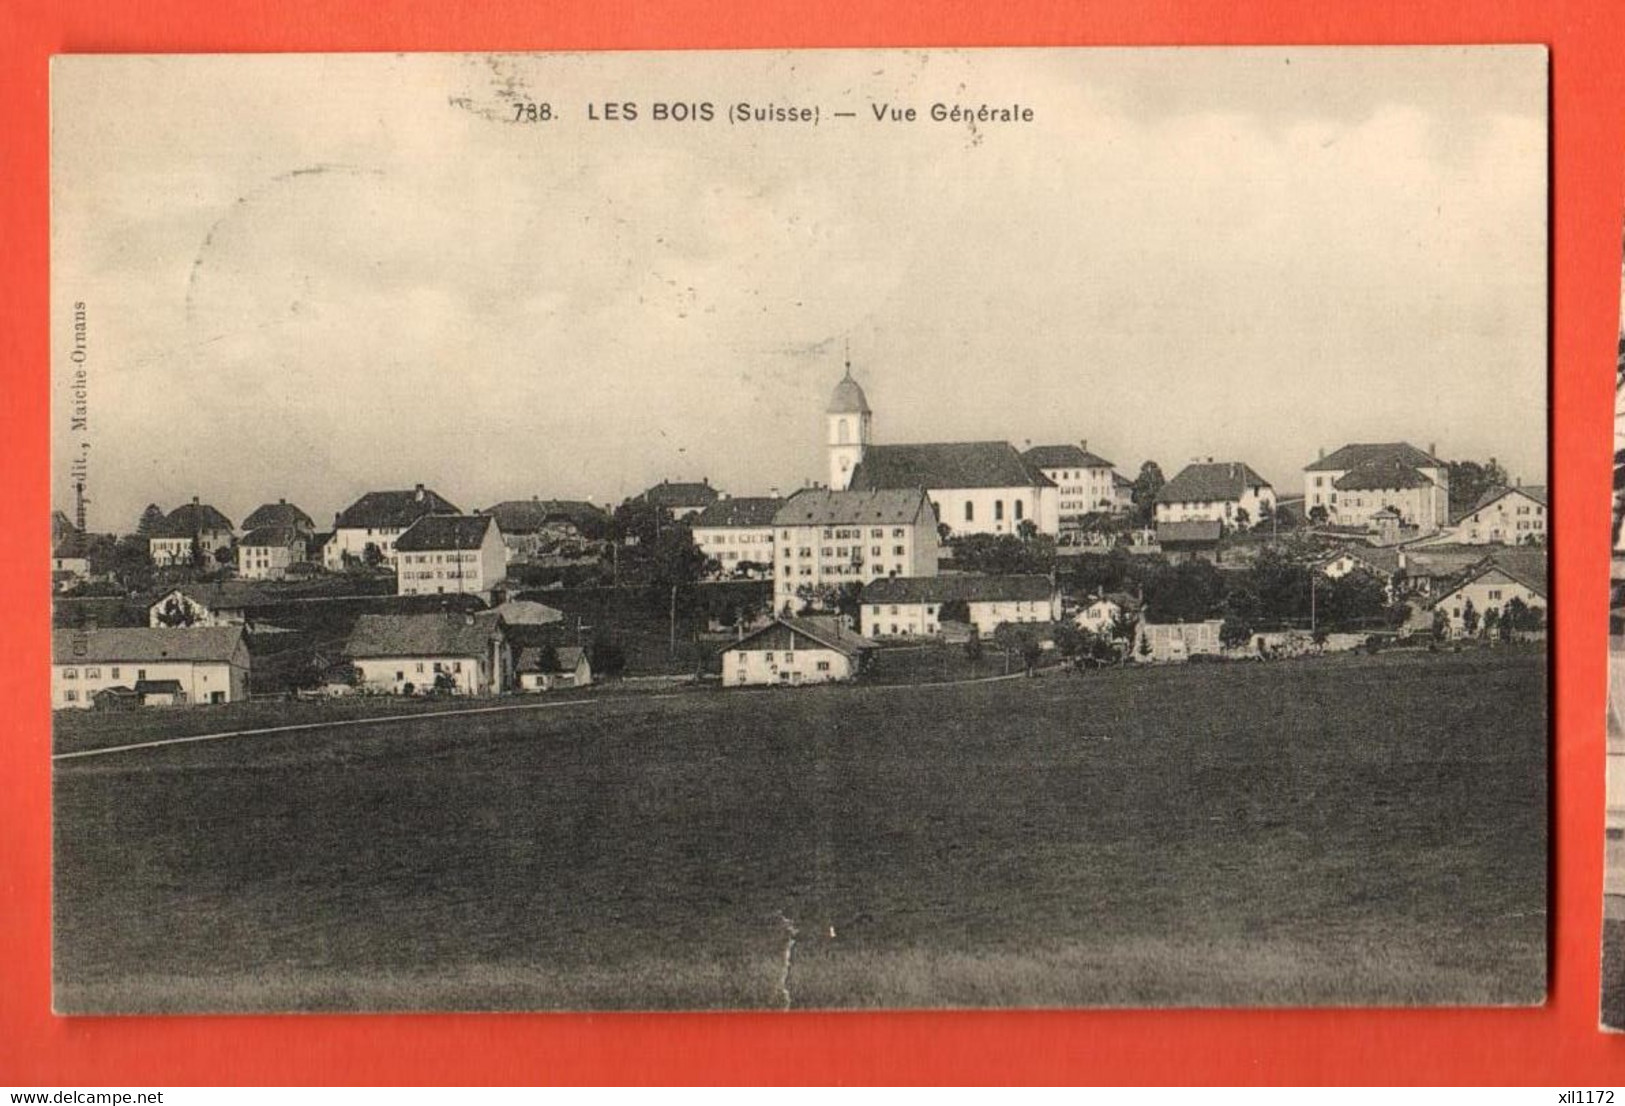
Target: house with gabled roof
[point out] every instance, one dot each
(790, 652)
(737, 531)
(376, 520)
(1190, 540)
(824, 539)
(1493, 583)
(217, 603)
(195, 528)
(1504, 515)
(552, 667)
(982, 487)
(1231, 493)
(530, 526)
(267, 552)
(1351, 484)
(905, 606)
(450, 554)
(164, 666)
(412, 654)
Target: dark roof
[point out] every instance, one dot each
(390, 509)
(1121, 481)
(436, 532)
(1382, 453)
(739, 511)
(280, 513)
(1064, 457)
(945, 465)
(1526, 567)
(72, 544)
(1204, 531)
(848, 397)
(1537, 492)
(190, 519)
(1211, 482)
(136, 644)
(668, 494)
(526, 516)
(158, 687)
(1381, 559)
(1381, 475)
(422, 635)
(969, 588)
(818, 507)
(317, 541)
(273, 535)
(222, 595)
(61, 526)
(825, 630)
(529, 658)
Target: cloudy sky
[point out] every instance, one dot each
(314, 276)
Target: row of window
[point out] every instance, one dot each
(839, 532)
(736, 539)
(438, 574)
(998, 510)
(789, 658)
(441, 558)
(96, 673)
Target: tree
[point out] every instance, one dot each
(1469, 480)
(1469, 618)
(150, 520)
(371, 555)
(1317, 515)
(1027, 529)
(944, 532)
(1522, 617)
(1244, 519)
(1441, 625)
(225, 555)
(954, 610)
(607, 657)
(1146, 486)
(973, 646)
(1492, 623)
(638, 522)
(1187, 592)
(1235, 633)
(131, 562)
(175, 612)
(1004, 554)
(1145, 645)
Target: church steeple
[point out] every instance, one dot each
(848, 426)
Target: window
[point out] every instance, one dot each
(845, 433)
(877, 532)
(970, 511)
(70, 673)
(70, 696)
(896, 533)
(114, 671)
(898, 550)
(768, 657)
(894, 610)
(420, 666)
(1019, 507)
(823, 666)
(789, 658)
(998, 510)
(874, 551)
(93, 673)
(141, 673)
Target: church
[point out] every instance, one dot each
(976, 487)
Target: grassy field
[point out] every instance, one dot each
(1342, 830)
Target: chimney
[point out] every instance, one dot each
(418, 493)
(195, 499)
(1322, 453)
(1433, 450)
(1210, 460)
(282, 501)
(1085, 445)
(336, 519)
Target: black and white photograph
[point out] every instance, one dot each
(783, 530)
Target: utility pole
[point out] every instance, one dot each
(673, 643)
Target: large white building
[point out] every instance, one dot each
(826, 539)
(1504, 516)
(191, 529)
(1227, 492)
(1355, 482)
(1085, 483)
(376, 520)
(1493, 584)
(407, 654)
(171, 667)
(450, 555)
(976, 487)
(792, 651)
(736, 531)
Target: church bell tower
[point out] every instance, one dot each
(847, 429)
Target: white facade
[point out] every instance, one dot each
(353, 540)
(1098, 616)
(1493, 590)
(1081, 491)
(171, 552)
(1514, 518)
(1255, 500)
(268, 562)
(75, 685)
(470, 675)
(846, 435)
(816, 556)
(806, 664)
(454, 572)
(732, 545)
(923, 618)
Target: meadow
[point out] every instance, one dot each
(1340, 830)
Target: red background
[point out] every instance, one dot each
(1556, 1044)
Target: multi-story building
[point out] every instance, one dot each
(1353, 483)
(450, 555)
(267, 552)
(791, 651)
(1517, 515)
(192, 530)
(823, 539)
(737, 531)
(681, 499)
(168, 667)
(1227, 492)
(912, 606)
(1085, 483)
(416, 654)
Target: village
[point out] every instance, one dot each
(906, 562)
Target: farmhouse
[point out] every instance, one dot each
(976, 487)
(530, 526)
(226, 603)
(1101, 613)
(907, 606)
(681, 500)
(450, 554)
(792, 651)
(1085, 483)
(1354, 482)
(407, 654)
(549, 668)
(1177, 641)
(1504, 516)
(195, 530)
(1385, 564)
(1228, 492)
(375, 520)
(267, 552)
(70, 558)
(155, 667)
(825, 539)
(1493, 584)
(738, 531)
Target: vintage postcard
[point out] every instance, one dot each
(808, 529)
(1613, 928)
